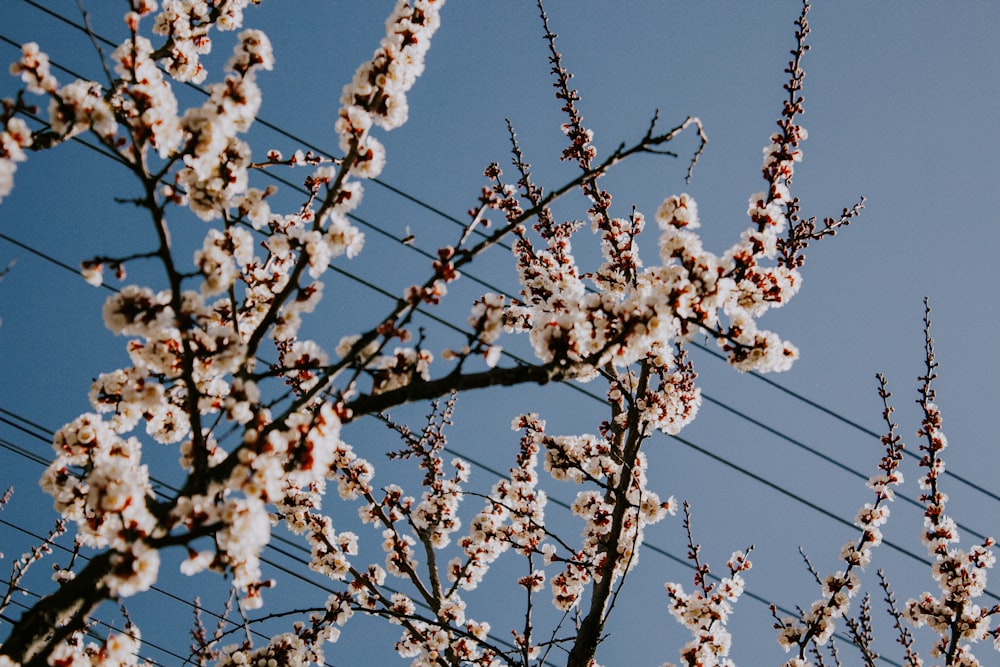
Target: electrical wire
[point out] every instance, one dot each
(704, 348)
(412, 198)
(759, 424)
(554, 500)
(687, 443)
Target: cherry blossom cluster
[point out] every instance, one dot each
(634, 309)
(117, 650)
(449, 633)
(14, 138)
(392, 370)
(514, 514)
(291, 244)
(400, 368)
(155, 387)
(283, 649)
(706, 610)
(35, 71)
(592, 459)
(405, 524)
(224, 255)
(186, 24)
(669, 401)
(145, 101)
(110, 502)
(656, 306)
(377, 94)
(961, 574)
(216, 161)
(431, 644)
(487, 322)
(79, 106)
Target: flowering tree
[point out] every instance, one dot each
(260, 441)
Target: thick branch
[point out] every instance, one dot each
(589, 634)
(57, 615)
(420, 390)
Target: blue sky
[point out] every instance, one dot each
(901, 107)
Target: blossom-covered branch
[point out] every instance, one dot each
(816, 626)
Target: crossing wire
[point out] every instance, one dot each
(494, 472)
(707, 397)
(576, 387)
(582, 390)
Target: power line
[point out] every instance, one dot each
(707, 397)
(308, 144)
(596, 397)
(448, 324)
(793, 441)
(500, 291)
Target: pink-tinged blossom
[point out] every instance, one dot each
(302, 363)
(80, 106)
(254, 206)
(216, 161)
(144, 99)
(34, 69)
(343, 238)
(253, 49)
(187, 23)
(286, 650)
(14, 138)
(134, 569)
(377, 93)
(109, 506)
(680, 211)
(961, 574)
(400, 368)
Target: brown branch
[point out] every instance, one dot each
(56, 616)
(589, 633)
(420, 390)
